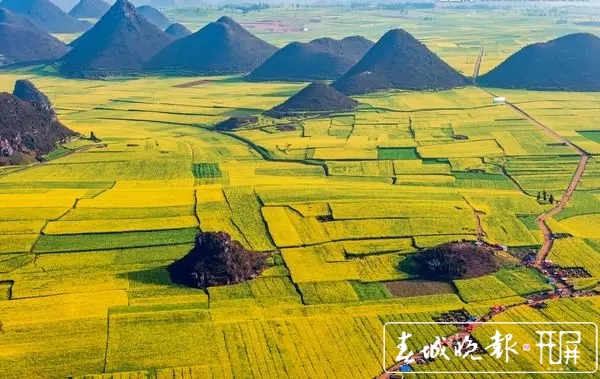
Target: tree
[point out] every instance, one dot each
(539, 196)
(93, 137)
(28, 141)
(216, 259)
(544, 195)
(451, 261)
(551, 199)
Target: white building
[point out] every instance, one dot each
(499, 100)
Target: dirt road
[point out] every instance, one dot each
(477, 65)
(541, 220)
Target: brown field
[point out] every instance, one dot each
(193, 84)
(412, 288)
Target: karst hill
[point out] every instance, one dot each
(119, 44)
(568, 63)
(399, 61)
(220, 48)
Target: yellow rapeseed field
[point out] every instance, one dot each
(339, 201)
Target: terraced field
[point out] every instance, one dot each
(342, 200)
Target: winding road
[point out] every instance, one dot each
(544, 250)
(575, 180)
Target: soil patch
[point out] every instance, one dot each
(193, 84)
(413, 288)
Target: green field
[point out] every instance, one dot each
(342, 200)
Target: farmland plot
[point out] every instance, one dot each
(381, 267)
(60, 348)
(119, 225)
(133, 342)
(523, 281)
(564, 310)
(483, 288)
(17, 243)
(246, 213)
(287, 228)
(574, 252)
(415, 288)
(307, 265)
(390, 209)
(363, 229)
(140, 198)
(506, 229)
(371, 291)
(366, 247)
(108, 241)
(584, 226)
(327, 292)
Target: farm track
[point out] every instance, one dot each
(541, 220)
(575, 180)
(545, 249)
(477, 215)
(478, 65)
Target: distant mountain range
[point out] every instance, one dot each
(46, 16)
(21, 41)
(90, 9)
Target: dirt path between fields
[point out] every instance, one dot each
(478, 65)
(541, 220)
(477, 214)
(542, 254)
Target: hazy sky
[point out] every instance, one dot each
(68, 4)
